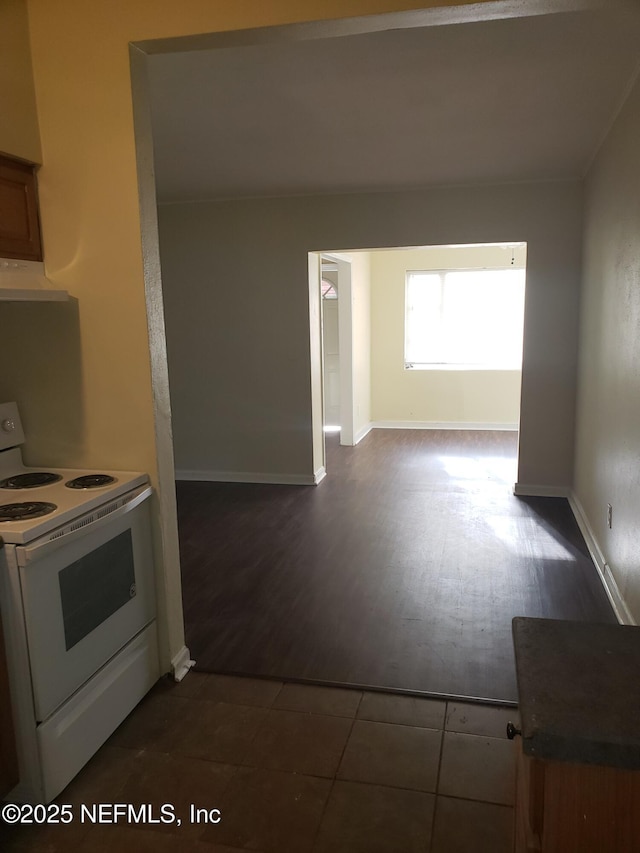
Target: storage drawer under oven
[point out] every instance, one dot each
(72, 735)
(85, 596)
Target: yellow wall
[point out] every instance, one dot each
(91, 222)
(18, 119)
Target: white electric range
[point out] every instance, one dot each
(77, 597)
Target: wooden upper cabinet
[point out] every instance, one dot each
(19, 219)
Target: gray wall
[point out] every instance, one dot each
(608, 425)
(236, 295)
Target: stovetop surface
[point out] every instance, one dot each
(70, 503)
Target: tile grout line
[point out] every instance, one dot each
(259, 727)
(314, 835)
(334, 778)
(473, 800)
(270, 706)
(354, 719)
(444, 728)
(435, 793)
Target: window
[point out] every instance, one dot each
(329, 290)
(464, 318)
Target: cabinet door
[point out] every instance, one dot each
(8, 757)
(590, 809)
(19, 222)
(529, 811)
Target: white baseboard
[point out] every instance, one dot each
(247, 477)
(319, 476)
(608, 581)
(442, 425)
(362, 433)
(532, 491)
(181, 664)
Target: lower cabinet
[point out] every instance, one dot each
(575, 808)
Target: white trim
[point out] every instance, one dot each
(345, 350)
(248, 477)
(337, 256)
(363, 432)
(164, 526)
(441, 425)
(316, 360)
(319, 476)
(604, 570)
(533, 491)
(181, 664)
(458, 367)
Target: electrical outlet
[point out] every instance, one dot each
(609, 516)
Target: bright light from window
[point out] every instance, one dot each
(485, 468)
(526, 538)
(465, 318)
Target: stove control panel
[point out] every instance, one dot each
(11, 433)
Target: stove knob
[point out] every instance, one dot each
(8, 425)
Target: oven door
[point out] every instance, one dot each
(86, 594)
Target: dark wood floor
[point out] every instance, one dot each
(401, 570)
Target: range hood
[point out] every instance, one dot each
(25, 281)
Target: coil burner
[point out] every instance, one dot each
(90, 481)
(28, 509)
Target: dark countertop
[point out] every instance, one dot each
(579, 691)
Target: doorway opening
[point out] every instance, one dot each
(443, 347)
(339, 335)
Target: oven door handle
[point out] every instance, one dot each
(80, 527)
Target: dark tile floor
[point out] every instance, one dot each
(295, 769)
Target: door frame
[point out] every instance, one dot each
(345, 346)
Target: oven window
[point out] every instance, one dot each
(95, 586)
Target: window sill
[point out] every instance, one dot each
(488, 368)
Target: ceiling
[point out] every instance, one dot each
(528, 98)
